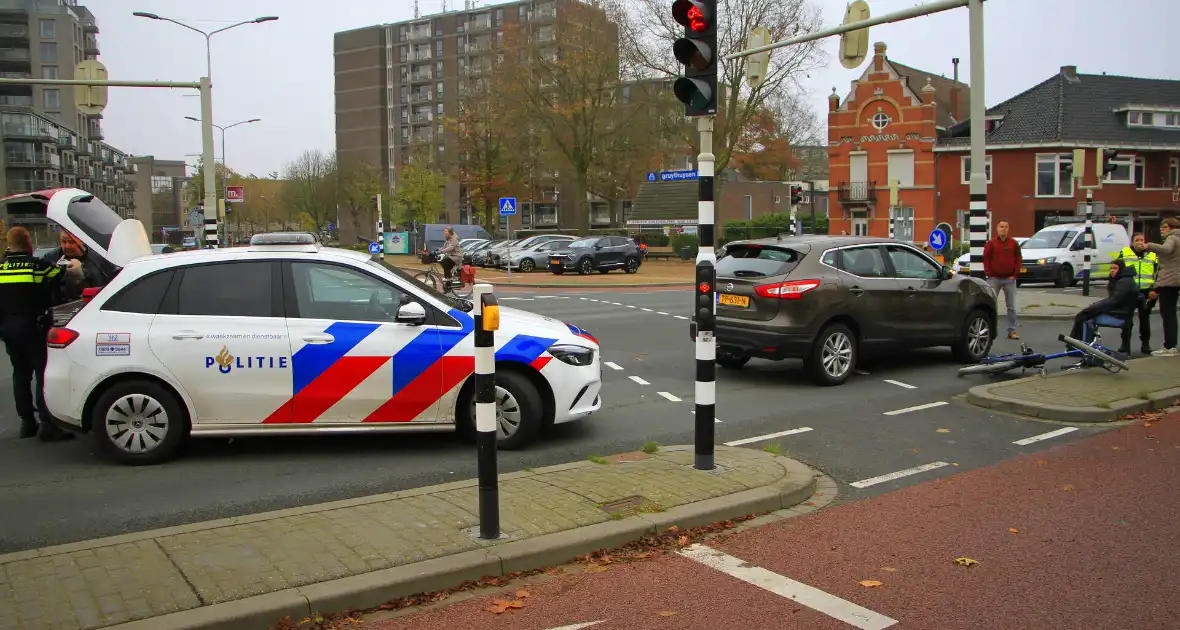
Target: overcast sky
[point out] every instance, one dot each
(281, 71)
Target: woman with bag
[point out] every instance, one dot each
(1167, 283)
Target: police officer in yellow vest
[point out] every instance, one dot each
(1144, 264)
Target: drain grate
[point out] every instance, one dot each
(631, 506)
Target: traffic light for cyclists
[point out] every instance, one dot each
(796, 195)
(697, 52)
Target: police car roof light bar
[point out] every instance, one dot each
(284, 238)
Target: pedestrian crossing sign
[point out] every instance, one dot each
(507, 206)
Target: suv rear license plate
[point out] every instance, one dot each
(733, 300)
(1024, 270)
(554, 261)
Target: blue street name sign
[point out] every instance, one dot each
(938, 239)
(507, 206)
(672, 176)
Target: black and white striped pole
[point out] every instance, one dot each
(977, 221)
(380, 226)
(705, 307)
(487, 321)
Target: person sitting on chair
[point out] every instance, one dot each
(1112, 311)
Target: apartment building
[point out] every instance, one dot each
(47, 141)
(159, 195)
(397, 83)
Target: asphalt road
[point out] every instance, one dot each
(62, 492)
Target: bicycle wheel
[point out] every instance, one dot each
(988, 368)
(1106, 359)
(431, 279)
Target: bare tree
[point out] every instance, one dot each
(310, 189)
(647, 31)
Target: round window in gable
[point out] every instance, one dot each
(881, 120)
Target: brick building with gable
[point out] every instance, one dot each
(887, 128)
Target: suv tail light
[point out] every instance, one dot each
(88, 294)
(792, 290)
(60, 337)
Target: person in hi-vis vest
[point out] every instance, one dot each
(1145, 266)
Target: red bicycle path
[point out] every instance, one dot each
(1096, 545)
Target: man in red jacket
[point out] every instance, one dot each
(1001, 264)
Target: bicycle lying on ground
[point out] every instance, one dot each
(1090, 354)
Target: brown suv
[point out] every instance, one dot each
(827, 299)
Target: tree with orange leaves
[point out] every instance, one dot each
(763, 151)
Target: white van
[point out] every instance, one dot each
(1055, 254)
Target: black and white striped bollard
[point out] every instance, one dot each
(487, 321)
(704, 306)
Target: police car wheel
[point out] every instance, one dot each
(518, 411)
(139, 422)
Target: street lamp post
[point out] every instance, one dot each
(207, 113)
(224, 165)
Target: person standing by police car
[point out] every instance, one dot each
(27, 288)
(96, 272)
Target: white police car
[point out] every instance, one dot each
(287, 337)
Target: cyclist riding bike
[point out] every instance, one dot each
(451, 252)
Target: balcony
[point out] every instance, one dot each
(16, 186)
(89, 25)
(24, 159)
(420, 33)
(421, 138)
(857, 193)
(419, 119)
(95, 132)
(23, 101)
(421, 97)
(420, 77)
(18, 32)
(14, 55)
(67, 143)
(91, 46)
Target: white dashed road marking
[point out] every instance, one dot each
(613, 366)
(660, 313)
(669, 396)
(579, 626)
(768, 436)
(900, 384)
(798, 592)
(897, 412)
(1045, 436)
(638, 380)
(679, 317)
(864, 483)
(861, 372)
(647, 309)
(629, 306)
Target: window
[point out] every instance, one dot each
(438, 87)
(966, 168)
(744, 261)
(865, 262)
(48, 29)
(1133, 118)
(49, 72)
(48, 51)
(142, 296)
(438, 47)
(1122, 173)
(52, 99)
(908, 263)
(1174, 172)
(324, 291)
(903, 224)
(749, 207)
(1148, 118)
(1140, 172)
(240, 289)
(1054, 177)
(901, 168)
(880, 120)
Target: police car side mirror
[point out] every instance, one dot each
(413, 314)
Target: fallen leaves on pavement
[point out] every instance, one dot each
(1067, 487)
(942, 430)
(501, 606)
(889, 569)
(1014, 530)
(870, 583)
(666, 613)
(966, 562)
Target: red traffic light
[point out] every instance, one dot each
(693, 15)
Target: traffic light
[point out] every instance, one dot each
(796, 195)
(1105, 167)
(697, 51)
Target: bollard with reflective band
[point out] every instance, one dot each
(704, 307)
(487, 320)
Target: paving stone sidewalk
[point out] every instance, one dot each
(1032, 304)
(1091, 395)
(380, 547)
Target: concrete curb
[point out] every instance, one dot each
(371, 589)
(593, 286)
(981, 396)
(1032, 317)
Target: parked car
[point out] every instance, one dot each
(829, 299)
(1056, 253)
(470, 254)
(597, 253)
(963, 263)
(467, 243)
(535, 255)
(487, 256)
(495, 258)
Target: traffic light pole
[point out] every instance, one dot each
(706, 343)
(1089, 242)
